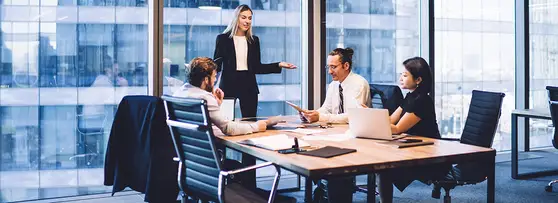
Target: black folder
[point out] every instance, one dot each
(328, 152)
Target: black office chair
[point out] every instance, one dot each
(480, 128)
(553, 104)
(200, 174)
(552, 93)
(90, 132)
(377, 98)
(387, 97)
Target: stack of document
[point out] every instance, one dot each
(305, 131)
(274, 142)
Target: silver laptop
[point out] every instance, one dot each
(227, 108)
(371, 123)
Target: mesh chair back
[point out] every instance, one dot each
(378, 98)
(192, 134)
(552, 93)
(552, 98)
(482, 119)
(554, 116)
(391, 96)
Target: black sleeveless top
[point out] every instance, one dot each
(422, 106)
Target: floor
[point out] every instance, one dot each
(507, 189)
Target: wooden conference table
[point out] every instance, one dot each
(371, 156)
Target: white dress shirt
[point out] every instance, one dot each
(241, 50)
(356, 92)
(217, 118)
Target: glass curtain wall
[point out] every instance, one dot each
(383, 33)
(543, 64)
(474, 50)
(190, 31)
(64, 67)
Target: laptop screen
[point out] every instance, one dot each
(227, 108)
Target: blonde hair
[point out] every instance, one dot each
(233, 25)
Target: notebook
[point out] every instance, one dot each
(274, 142)
(328, 152)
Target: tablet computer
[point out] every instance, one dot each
(295, 106)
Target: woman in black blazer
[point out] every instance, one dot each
(237, 54)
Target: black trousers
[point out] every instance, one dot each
(248, 105)
(244, 89)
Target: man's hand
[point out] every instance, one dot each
(302, 118)
(262, 125)
(312, 116)
(219, 95)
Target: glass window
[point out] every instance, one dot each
(543, 64)
(188, 35)
(474, 45)
(386, 33)
(63, 71)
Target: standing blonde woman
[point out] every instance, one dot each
(237, 54)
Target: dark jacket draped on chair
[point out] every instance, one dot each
(140, 150)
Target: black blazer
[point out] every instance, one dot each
(140, 150)
(225, 57)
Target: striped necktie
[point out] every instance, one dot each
(341, 109)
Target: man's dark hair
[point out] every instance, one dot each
(200, 68)
(346, 55)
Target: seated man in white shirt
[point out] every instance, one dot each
(201, 77)
(347, 90)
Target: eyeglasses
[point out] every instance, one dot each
(331, 67)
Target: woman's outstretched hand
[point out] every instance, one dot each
(287, 65)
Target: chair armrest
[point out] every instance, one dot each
(249, 168)
(451, 139)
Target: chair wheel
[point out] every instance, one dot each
(548, 188)
(436, 194)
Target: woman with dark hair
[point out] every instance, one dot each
(237, 55)
(415, 116)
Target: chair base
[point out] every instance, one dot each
(548, 188)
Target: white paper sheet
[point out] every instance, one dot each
(334, 137)
(305, 131)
